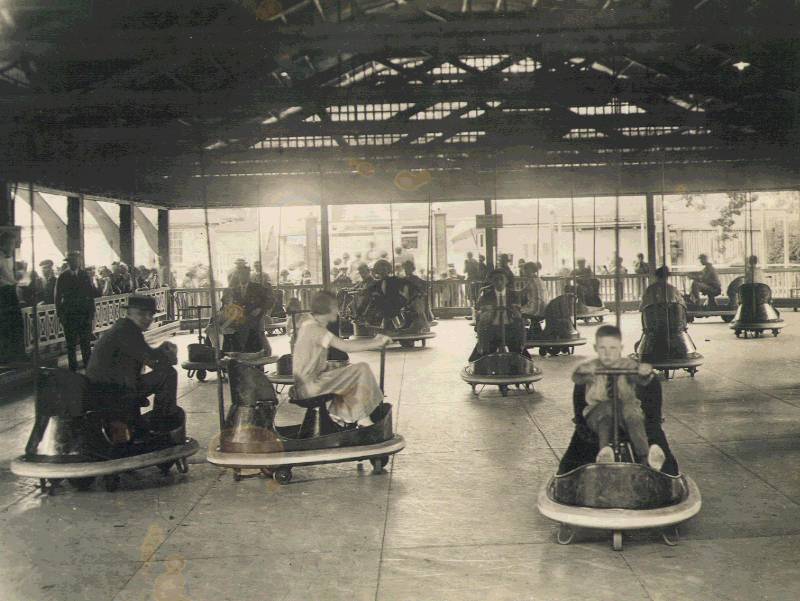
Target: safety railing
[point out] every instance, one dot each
(183, 299)
(108, 309)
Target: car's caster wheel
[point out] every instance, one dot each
(775, 333)
(283, 475)
(670, 536)
(600, 319)
(474, 390)
(692, 371)
(727, 318)
(237, 475)
(49, 485)
(503, 389)
(201, 375)
(565, 534)
(378, 463)
(542, 351)
(182, 465)
(165, 468)
(407, 343)
(81, 484)
(616, 540)
(111, 482)
(758, 334)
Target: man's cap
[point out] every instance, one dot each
(46, 263)
(139, 301)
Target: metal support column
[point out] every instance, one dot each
(164, 262)
(491, 235)
(650, 226)
(75, 240)
(325, 244)
(126, 251)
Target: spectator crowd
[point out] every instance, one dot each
(38, 287)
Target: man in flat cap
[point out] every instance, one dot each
(48, 292)
(74, 299)
(115, 370)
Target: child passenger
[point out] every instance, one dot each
(357, 392)
(598, 411)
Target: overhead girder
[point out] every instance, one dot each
(376, 180)
(455, 185)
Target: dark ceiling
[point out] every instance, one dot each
(266, 101)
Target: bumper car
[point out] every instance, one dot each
(76, 440)
(623, 495)
(589, 306)
(665, 341)
(389, 310)
(251, 440)
(756, 314)
(201, 358)
(559, 334)
(722, 306)
(274, 325)
(502, 368)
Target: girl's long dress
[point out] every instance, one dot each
(357, 392)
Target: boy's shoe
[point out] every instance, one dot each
(606, 455)
(656, 457)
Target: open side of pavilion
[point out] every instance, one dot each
(223, 103)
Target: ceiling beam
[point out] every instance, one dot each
(473, 185)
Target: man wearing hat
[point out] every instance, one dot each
(74, 299)
(115, 370)
(254, 302)
(48, 292)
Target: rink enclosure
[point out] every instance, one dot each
(453, 517)
(180, 163)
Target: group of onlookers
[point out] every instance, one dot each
(36, 288)
(71, 287)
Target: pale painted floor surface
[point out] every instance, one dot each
(455, 516)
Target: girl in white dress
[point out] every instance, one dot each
(357, 392)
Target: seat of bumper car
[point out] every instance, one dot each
(314, 402)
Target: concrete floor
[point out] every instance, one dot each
(454, 518)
